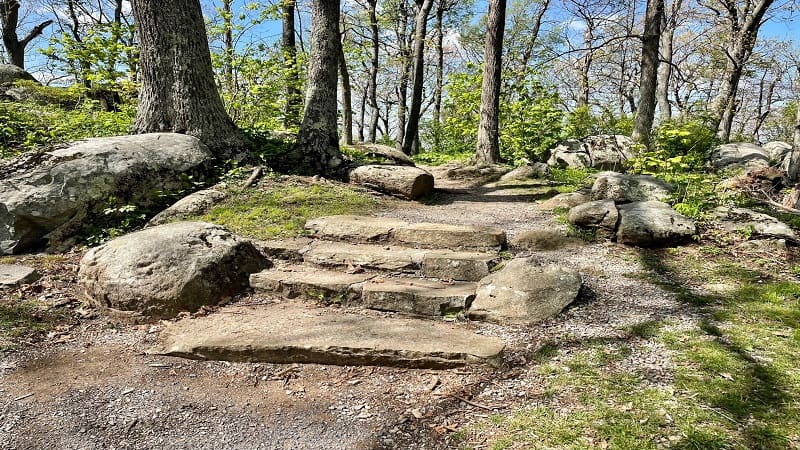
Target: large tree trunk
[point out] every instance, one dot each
(744, 27)
(411, 136)
(668, 25)
(402, 88)
(178, 93)
(488, 148)
(227, 25)
(373, 71)
(347, 95)
(294, 103)
(586, 65)
(317, 149)
(645, 112)
(9, 21)
(437, 90)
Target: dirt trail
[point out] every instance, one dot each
(99, 389)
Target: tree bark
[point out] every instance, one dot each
(347, 95)
(488, 148)
(645, 112)
(411, 135)
(437, 92)
(9, 21)
(317, 149)
(668, 25)
(294, 104)
(227, 24)
(744, 27)
(373, 71)
(794, 161)
(178, 93)
(402, 89)
(588, 39)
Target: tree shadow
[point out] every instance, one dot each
(484, 194)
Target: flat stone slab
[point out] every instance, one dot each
(307, 282)
(294, 333)
(368, 229)
(444, 264)
(291, 249)
(13, 275)
(417, 296)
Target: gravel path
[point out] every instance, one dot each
(97, 387)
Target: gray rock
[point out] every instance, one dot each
(596, 214)
(354, 228)
(545, 240)
(624, 188)
(524, 292)
(293, 333)
(158, 272)
(13, 275)
(10, 73)
(754, 223)
(461, 266)
(653, 224)
(381, 257)
(481, 174)
(416, 296)
(779, 153)
(608, 152)
(386, 152)
(191, 205)
(46, 199)
(739, 155)
(403, 181)
(291, 249)
(567, 201)
(535, 170)
(570, 153)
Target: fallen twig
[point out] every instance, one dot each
(478, 405)
(254, 177)
(23, 397)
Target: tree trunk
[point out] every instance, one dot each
(488, 148)
(588, 39)
(9, 21)
(421, 31)
(402, 89)
(668, 25)
(646, 109)
(373, 71)
(178, 93)
(437, 90)
(347, 95)
(362, 114)
(744, 27)
(227, 24)
(317, 149)
(294, 104)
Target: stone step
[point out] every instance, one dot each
(311, 283)
(417, 296)
(406, 295)
(294, 333)
(443, 264)
(367, 229)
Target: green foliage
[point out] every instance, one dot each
(27, 126)
(581, 123)
(530, 118)
(571, 179)
(102, 57)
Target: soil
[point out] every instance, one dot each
(90, 384)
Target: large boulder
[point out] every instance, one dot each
(608, 152)
(653, 224)
(385, 152)
(567, 200)
(161, 271)
(596, 214)
(193, 204)
(47, 198)
(524, 292)
(624, 188)
(740, 155)
(751, 223)
(403, 181)
(10, 73)
(779, 153)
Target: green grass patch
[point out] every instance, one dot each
(22, 319)
(439, 159)
(282, 210)
(571, 179)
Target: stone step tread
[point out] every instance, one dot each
(427, 235)
(434, 263)
(290, 332)
(407, 295)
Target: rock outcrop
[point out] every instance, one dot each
(47, 198)
(607, 152)
(629, 188)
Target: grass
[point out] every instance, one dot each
(281, 210)
(735, 381)
(22, 319)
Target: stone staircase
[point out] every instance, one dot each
(426, 271)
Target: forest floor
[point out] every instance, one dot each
(694, 347)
